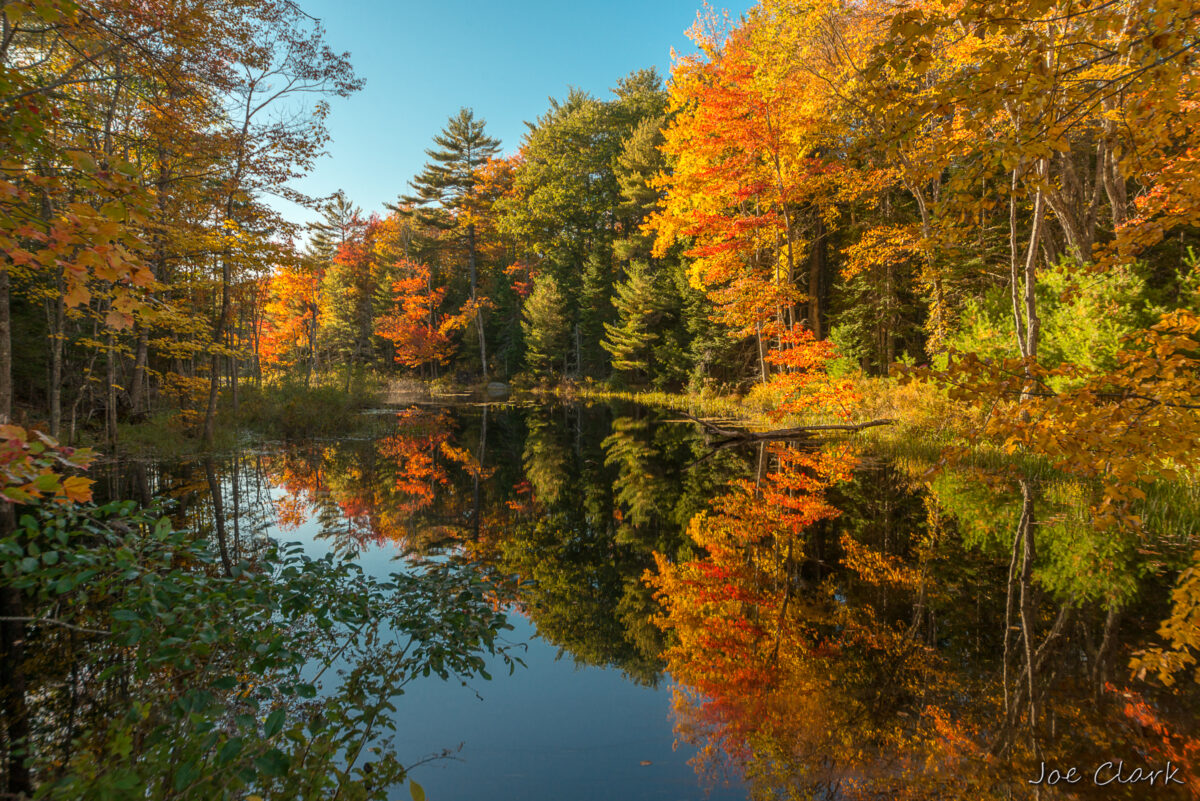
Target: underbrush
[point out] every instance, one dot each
(166, 434)
(287, 409)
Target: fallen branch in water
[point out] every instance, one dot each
(733, 435)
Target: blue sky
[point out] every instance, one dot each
(424, 59)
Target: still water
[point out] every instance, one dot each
(732, 622)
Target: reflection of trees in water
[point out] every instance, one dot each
(604, 493)
(227, 497)
(545, 455)
(832, 630)
(417, 487)
(879, 651)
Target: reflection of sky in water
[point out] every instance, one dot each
(549, 731)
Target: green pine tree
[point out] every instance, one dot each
(444, 192)
(546, 326)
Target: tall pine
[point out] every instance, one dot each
(445, 193)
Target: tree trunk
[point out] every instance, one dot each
(816, 274)
(233, 371)
(214, 489)
(6, 380)
(12, 675)
(475, 299)
(57, 325)
(1026, 601)
(214, 381)
(110, 403)
(137, 384)
(762, 358)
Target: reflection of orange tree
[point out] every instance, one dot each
(814, 661)
(1160, 738)
(376, 493)
(786, 673)
(747, 647)
(329, 485)
(421, 451)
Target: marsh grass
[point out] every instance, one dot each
(290, 410)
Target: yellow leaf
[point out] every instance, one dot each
(76, 489)
(77, 296)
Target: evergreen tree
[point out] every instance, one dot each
(445, 194)
(348, 299)
(545, 325)
(341, 221)
(640, 306)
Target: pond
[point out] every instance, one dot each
(763, 621)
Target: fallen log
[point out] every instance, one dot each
(733, 435)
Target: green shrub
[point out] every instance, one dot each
(164, 671)
(1084, 316)
(292, 411)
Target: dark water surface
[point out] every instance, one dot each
(799, 622)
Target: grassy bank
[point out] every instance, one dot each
(282, 409)
(918, 413)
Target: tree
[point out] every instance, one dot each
(348, 296)
(545, 326)
(565, 210)
(446, 194)
(415, 325)
(642, 306)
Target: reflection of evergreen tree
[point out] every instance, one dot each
(609, 494)
(575, 580)
(661, 481)
(545, 458)
(642, 486)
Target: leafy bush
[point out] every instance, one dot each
(162, 671)
(293, 411)
(1084, 317)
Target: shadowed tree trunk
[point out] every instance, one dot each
(214, 488)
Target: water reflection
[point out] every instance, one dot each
(856, 639)
(832, 624)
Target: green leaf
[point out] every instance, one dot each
(47, 482)
(187, 773)
(230, 750)
(225, 683)
(274, 723)
(417, 791)
(273, 763)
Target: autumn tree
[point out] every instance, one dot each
(417, 326)
(446, 195)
